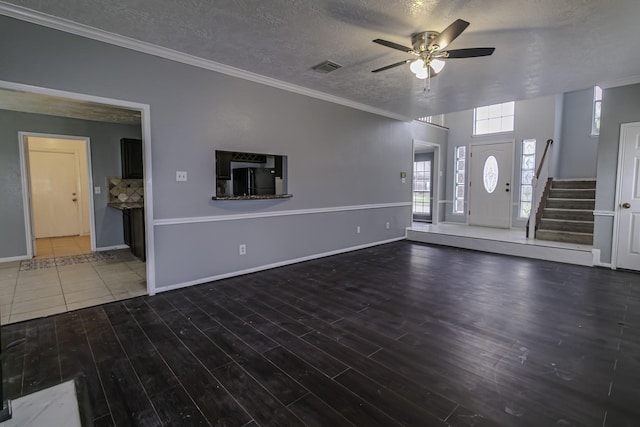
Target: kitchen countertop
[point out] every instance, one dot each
(261, 197)
(123, 206)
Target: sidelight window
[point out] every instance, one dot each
(527, 169)
(459, 179)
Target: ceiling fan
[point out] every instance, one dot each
(429, 47)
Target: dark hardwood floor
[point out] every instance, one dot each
(399, 334)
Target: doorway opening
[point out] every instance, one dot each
(425, 184)
(58, 181)
(423, 187)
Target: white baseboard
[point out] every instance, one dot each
(274, 265)
(111, 248)
(14, 258)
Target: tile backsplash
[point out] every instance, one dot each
(124, 190)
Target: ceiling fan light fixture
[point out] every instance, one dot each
(423, 73)
(417, 66)
(437, 65)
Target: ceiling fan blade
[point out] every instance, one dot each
(448, 35)
(468, 53)
(397, 64)
(393, 45)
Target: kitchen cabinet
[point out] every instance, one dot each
(133, 224)
(223, 164)
(131, 157)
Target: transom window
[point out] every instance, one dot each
(597, 107)
(494, 118)
(459, 183)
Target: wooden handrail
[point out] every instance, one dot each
(544, 155)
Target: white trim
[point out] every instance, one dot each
(82, 30)
(236, 217)
(111, 248)
(604, 213)
(14, 258)
(275, 265)
(144, 109)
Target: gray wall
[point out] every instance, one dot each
(337, 156)
(578, 150)
(105, 161)
(619, 105)
(534, 118)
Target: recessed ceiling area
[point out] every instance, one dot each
(543, 47)
(29, 102)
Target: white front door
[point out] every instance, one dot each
(54, 193)
(628, 210)
(490, 191)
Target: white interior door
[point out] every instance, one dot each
(54, 193)
(490, 185)
(628, 239)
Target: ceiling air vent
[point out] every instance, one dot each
(326, 67)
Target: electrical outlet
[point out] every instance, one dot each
(358, 229)
(242, 249)
(97, 190)
(181, 176)
(387, 225)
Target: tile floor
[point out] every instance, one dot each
(66, 276)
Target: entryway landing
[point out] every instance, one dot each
(500, 241)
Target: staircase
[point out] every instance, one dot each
(568, 212)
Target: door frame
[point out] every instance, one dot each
(145, 113)
(435, 184)
(618, 194)
(511, 172)
(25, 175)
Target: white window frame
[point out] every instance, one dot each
(504, 112)
(596, 112)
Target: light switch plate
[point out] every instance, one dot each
(97, 190)
(181, 176)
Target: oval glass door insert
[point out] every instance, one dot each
(490, 174)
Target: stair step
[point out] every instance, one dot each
(571, 203)
(572, 214)
(565, 236)
(572, 193)
(574, 183)
(566, 225)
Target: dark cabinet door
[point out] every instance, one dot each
(223, 164)
(133, 224)
(131, 155)
(126, 225)
(137, 225)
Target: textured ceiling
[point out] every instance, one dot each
(543, 47)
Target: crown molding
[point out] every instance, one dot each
(68, 26)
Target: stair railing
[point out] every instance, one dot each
(541, 184)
